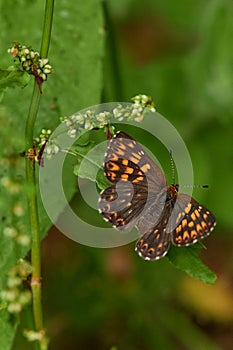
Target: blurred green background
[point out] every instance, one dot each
(181, 54)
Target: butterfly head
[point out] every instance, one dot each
(172, 191)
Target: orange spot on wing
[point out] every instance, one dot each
(131, 144)
(199, 228)
(193, 234)
(124, 176)
(179, 217)
(145, 246)
(145, 167)
(204, 226)
(122, 146)
(138, 179)
(187, 209)
(186, 236)
(120, 152)
(136, 155)
(111, 175)
(125, 162)
(193, 216)
(112, 166)
(134, 160)
(191, 224)
(129, 170)
(178, 239)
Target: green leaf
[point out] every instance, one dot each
(76, 56)
(89, 163)
(13, 78)
(90, 151)
(8, 325)
(187, 259)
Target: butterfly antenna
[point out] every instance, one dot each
(200, 186)
(195, 186)
(172, 167)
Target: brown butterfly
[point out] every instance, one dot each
(139, 195)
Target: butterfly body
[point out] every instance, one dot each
(139, 195)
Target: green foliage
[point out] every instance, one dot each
(189, 76)
(77, 36)
(13, 78)
(8, 326)
(76, 53)
(187, 259)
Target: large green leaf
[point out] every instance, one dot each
(76, 56)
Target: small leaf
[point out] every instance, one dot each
(90, 157)
(101, 179)
(13, 78)
(187, 259)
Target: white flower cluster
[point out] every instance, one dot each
(19, 233)
(15, 296)
(86, 121)
(16, 229)
(44, 145)
(92, 119)
(144, 101)
(31, 61)
(51, 149)
(39, 336)
(131, 112)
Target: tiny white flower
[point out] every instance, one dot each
(25, 297)
(23, 240)
(18, 209)
(43, 62)
(10, 232)
(9, 294)
(72, 132)
(14, 308)
(14, 282)
(43, 76)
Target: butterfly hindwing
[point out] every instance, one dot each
(121, 204)
(193, 221)
(154, 244)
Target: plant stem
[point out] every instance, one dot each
(47, 30)
(31, 180)
(111, 50)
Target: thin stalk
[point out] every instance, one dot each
(31, 180)
(111, 47)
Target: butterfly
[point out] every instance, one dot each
(139, 195)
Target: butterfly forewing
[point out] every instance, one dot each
(126, 159)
